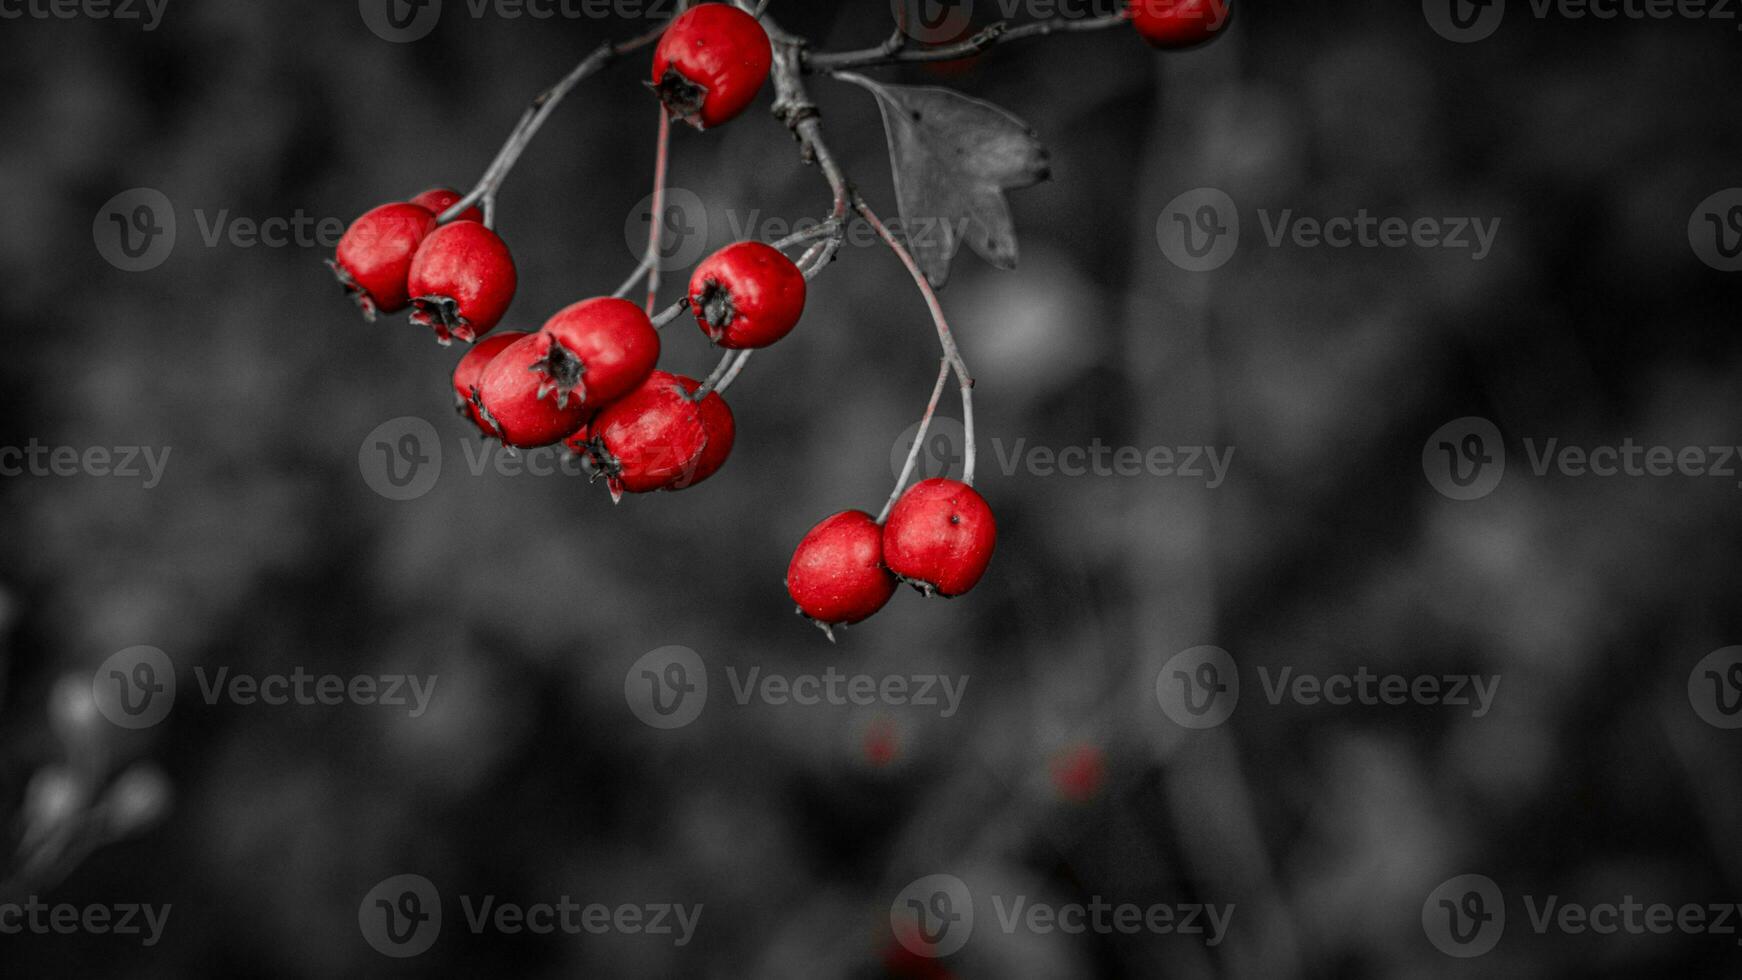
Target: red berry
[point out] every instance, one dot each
(710, 64)
(722, 431)
(509, 407)
(747, 295)
(940, 537)
(651, 439)
(600, 350)
(462, 280)
(1178, 23)
(1078, 772)
(374, 257)
(439, 199)
(837, 575)
(469, 374)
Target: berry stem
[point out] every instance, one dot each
(713, 380)
(931, 409)
(896, 51)
(736, 369)
(533, 119)
(952, 355)
(662, 162)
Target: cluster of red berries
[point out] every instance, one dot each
(588, 378)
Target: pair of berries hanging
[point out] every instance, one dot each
(938, 538)
(458, 279)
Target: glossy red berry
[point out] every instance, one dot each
(1178, 23)
(374, 257)
(747, 295)
(837, 575)
(469, 374)
(940, 537)
(600, 350)
(721, 429)
(509, 407)
(710, 64)
(439, 199)
(651, 439)
(462, 280)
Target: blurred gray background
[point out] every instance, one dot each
(1327, 549)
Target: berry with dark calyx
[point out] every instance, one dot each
(469, 374)
(508, 404)
(650, 439)
(600, 350)
(722, 432)
(462, 280)
(940, 537)
(374, 258)
(710, 63)
(837, 575)
(1172, 24)
(747, 295)
(439, 199)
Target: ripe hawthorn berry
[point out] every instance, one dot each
(599, 351)
(747, 295)
(374, 257)
(651, 439)
(721, 429)
(509, 407)
(461, 282)
(837, 575)
(710, 64)
(1174, 24)
(439, 199)
(469, 374)
(940, 537)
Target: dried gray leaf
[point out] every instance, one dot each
(953, 158)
